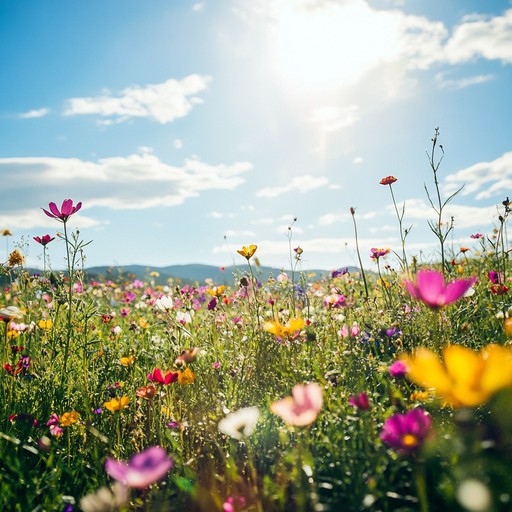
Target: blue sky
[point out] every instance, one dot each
(189, 129)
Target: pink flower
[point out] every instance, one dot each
(66, 210)
(144, 468)
(360, 401)
(163, 378)
(431, 289)
(53, 423)
(302, 407)
(398, 369)
(406, 433)
(44, 240)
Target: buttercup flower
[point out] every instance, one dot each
(467, 378)
(66, 210)
(15, 258)
(431, 289)
(247, 251)
(187, 376)
(406, 433)
(388, 180)
(44, 240)
(302, 407)
(127, 361)
(240, 423)
(288, 330)
(68, 418)
(144, 468)
(117, 405)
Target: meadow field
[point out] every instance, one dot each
(382, 390)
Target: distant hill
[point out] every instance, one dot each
(190, 273)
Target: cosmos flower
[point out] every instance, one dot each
(360, 401)
(431, 289)
(377, 253)
(241, 423)
(398, 369)
(66, 210)
(144, 468)
(464, 378)
(44, 240)
(406, 433)
(302, 407)
(163, 378)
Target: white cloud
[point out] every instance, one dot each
(357, 160)
(32, 114)
(464, 216)
(461, 83)
(29, 219)
(164, 102)
(264, 221)
(133, 182)
(486, 179)
(300, 184)
(331, 118)
(487, 38)
(334, 218)
(283, 230)
(199, 6)
(241, 233)
(177, 143)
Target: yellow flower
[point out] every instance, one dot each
(467, 378)
(6, 232)
(419, 396)
(45, 324)
(284, 331)
(117, 405)
(15, 258)
(127, 361)
(187, 376)
(247, 252)
(68, 418)
(155, 274)
(217, 291)
(507, 327)
(143, 323)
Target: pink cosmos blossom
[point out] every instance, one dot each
(431, 289)
(53, 423)
(302, 407)
(44, 240)
(144, 468)
(66, 210)
(163, 378)
(406, 433)
(360, 401)
(398, 369)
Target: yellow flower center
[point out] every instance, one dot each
(409, 440)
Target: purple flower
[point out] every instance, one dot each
(476, 236)
(66, 210)
(398, 369)
(144, 468)
(431, 289)
(338, 273)
(406, 433)
(44, 240)
(495, 277)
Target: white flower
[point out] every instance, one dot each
(184, 316)
(241, 423)
(164, 303)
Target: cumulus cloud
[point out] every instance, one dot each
(164, 102)
(300, 184)
(32, 114)
(127, 182)
(485, 179)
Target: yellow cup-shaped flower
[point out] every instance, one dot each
(466, 378)
(187, 376)
(117, 404)
(127, 361)
(247, 251)
(45, 324)
(68, 418)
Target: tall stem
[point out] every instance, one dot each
(353, 212)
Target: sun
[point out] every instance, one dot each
(332, 44)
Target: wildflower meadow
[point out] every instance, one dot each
(381, 389)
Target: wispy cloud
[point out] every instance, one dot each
(164, 102)
(32, 114)
(136, 181)
(300, 184)
(486, 179)
(461, 83)
(332, 118)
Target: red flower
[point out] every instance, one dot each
(66, 210)
(499, 289)
(163, 378)
(388, 180)
(45, 240)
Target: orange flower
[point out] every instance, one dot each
(68, 418)
(388, 180)
(127, 361)
(187, 376)
(247, 251)
(147, 392)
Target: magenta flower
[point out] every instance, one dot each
(44, 240)
(360, 401)
(405, 433)
(377, 253)
(144, 468)
(398, 369)
(302, 407)
(164, 378)
(431, 289)
(66, 210)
